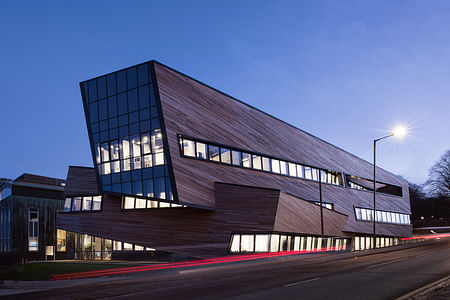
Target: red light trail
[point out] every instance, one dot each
(202, 262)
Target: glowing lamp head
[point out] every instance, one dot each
(400, 131)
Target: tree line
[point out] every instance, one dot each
(430, 202)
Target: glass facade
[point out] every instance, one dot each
(124, 125)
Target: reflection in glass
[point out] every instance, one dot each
(246, 160)
(201, 151)
(214, 153)
(236, 157)
(225, 155)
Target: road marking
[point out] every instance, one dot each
(446, 249)
(304, 281)
(385, 263)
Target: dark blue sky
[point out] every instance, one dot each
(345, 71)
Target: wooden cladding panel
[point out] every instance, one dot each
(296, 215)
(81, 181)
(193, 231)
(193, 109)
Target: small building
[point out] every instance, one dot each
(184, 168)
(28, 207)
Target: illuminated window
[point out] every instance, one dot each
(201, 151)
(33, 229)
(266, 164)
(256, 161)
(292, 170)
(225, 156)
(188, 148)
(60, 240)
(261, 243)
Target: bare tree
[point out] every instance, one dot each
(438, 182)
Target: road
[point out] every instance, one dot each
(327, 276)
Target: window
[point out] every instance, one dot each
(76, 204)
(214, 153)
(87, 201)
(246, 160)
(67, 204)
(247, 243)
(266, 164)
(128, 203)
(292, 170)
(276, 166)
(60, 240)
(201, 151)
(256, 162)
(261, 243)
(236, 157)
(188, 148)
(283, 167)
(97, 202)
(225, 155)
(33, 229)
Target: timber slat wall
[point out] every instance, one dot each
(193, 231)
(295, 215)
(193, 109)
(81, 181)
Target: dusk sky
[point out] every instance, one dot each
(345, 71)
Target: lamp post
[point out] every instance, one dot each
(399, 131)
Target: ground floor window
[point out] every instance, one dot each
(366, 242)
(275, 242)
(60, 240)
(88, 247)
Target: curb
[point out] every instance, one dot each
(425, 291)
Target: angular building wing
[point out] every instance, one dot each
(185, 168)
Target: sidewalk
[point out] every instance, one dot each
(438, 290)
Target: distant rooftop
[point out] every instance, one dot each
(37, 179)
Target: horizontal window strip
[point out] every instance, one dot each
(381, 216)
(208, 151)
(129, 203)
(83, 204)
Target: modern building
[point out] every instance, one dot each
(28, 207)
(184, 168)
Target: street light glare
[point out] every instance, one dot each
(400, 131)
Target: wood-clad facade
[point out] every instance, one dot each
(221, 199)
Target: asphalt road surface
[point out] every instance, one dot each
(384, 275)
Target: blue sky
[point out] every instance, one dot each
(345, 71)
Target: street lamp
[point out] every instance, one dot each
(399, 131)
